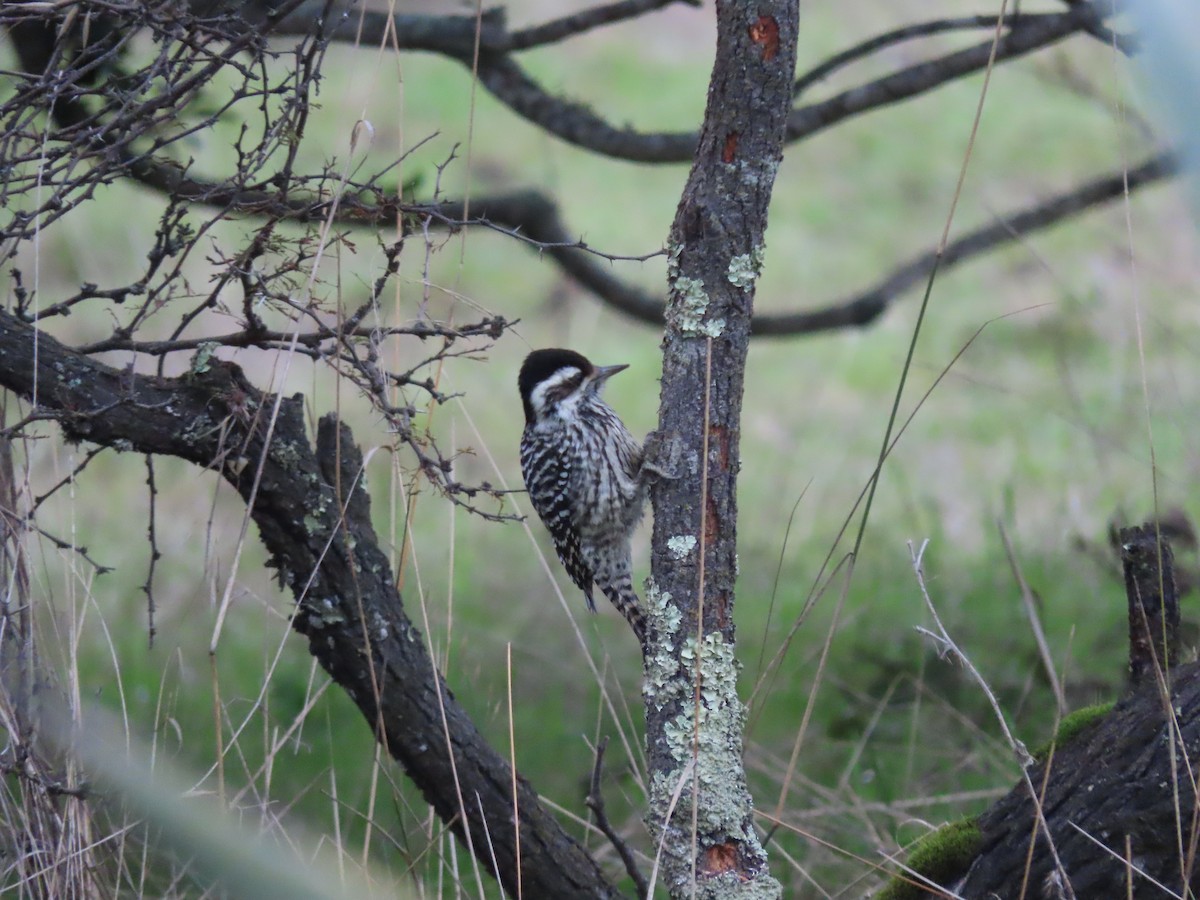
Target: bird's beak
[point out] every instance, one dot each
(603, 373)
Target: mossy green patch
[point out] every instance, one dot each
(1071, 725)
(939, 856)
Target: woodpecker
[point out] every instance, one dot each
(583, 470)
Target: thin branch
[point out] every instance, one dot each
(533, 218)
(61, 544)
(452, 36)
(595, 802)
(270, 339)
(66, 479)
(860, 51)
(863, 307)
(1029, 34)
(922, 30)
(576, 123)
(585, 20)
(521, 214)
(155, 553)
(455, 35)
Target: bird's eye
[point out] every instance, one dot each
(567, 387)
(556, 388)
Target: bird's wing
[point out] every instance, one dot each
(547, 474)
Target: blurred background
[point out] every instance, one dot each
(1065, 402)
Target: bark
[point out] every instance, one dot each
(1120, 804)
(1153, 602)
(314, 518)
(700, 809)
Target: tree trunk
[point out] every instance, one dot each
(700, 810)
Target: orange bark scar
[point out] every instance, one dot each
(719, 435)
(720, 858)
(765, 33)
(730, 152)
(712, 523)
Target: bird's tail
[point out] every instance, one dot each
(619, 590)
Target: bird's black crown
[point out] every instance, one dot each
(541, 364)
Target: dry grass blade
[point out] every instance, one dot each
(947, 646)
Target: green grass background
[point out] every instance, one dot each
(1044, 425)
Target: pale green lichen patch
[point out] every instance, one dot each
(202, 360)
(660, 607)
(660, 664)
(681, 545)
(689, 307)
(703, 736)
(744, 269)
(380, 627)
(326, 613)
(707, 732)
(687, 312)
(673, 253)
(753, 176)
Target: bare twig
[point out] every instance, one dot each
(66, 479)
(595, 802)
(155, 553)
(947, 647)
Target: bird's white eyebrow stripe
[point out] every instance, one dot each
(538, 396)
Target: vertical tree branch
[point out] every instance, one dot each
(700, 809)
(1153, 602)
